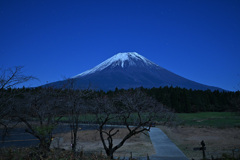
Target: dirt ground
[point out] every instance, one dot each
(218, 141)
(89, 141)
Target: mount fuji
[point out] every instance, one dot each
(128, 70)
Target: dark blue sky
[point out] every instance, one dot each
(196, 39)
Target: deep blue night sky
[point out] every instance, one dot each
(52, 39)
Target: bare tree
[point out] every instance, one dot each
(75, 102)
(9, 78)
(76, 106)
(133, 109)
(6, 100)
(40, 110)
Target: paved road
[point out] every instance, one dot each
(17, 137)
(165, 149)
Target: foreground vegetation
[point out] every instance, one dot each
(42, 109)
(35, 153)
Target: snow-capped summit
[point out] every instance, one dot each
(123, 59)
(128, 70)
(128, 56)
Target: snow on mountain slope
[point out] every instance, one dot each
(118, 60)
(128, 70)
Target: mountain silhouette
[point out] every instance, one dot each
(128, 70)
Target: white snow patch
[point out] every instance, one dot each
(120, 58)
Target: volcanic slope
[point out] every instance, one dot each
(128, 70)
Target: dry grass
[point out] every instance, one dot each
(218, 141)
(38, 154)
(89, 141)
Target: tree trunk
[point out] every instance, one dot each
(109, 153)
(74, 141)
(45, 144)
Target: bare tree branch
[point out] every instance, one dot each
(10, 78)
(132, 108)
(40, 110)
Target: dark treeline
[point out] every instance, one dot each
(184, 100)
(189, 101)
(179, 99)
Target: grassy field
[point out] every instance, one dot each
(204, 119)
(209, 119)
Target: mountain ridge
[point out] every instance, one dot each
(129, 70)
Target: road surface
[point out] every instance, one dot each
(165, 149)
(17, 137)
